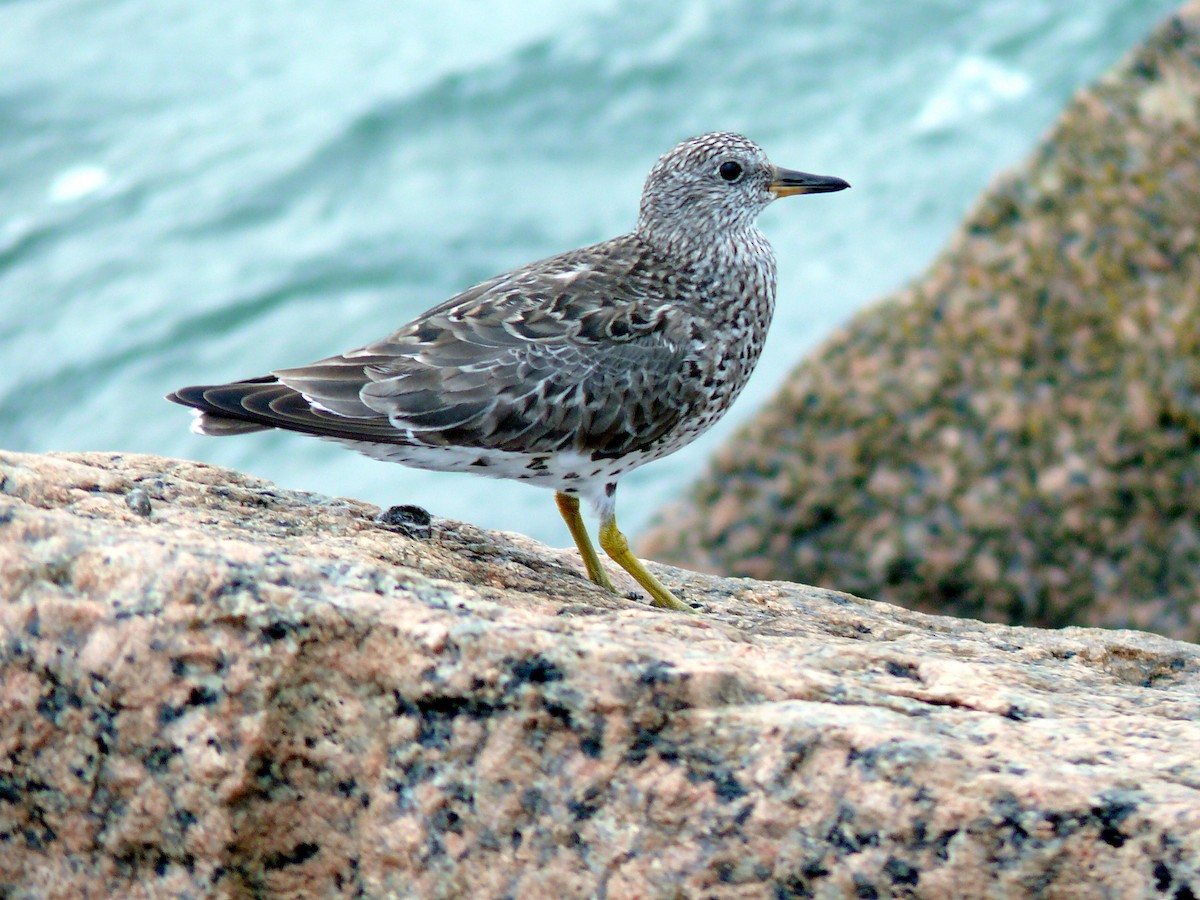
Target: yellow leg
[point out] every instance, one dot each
(569, 507)
(617, 547)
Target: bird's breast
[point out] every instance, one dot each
(740, 303)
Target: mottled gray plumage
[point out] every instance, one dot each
(566, 372)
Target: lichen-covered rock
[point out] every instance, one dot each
(1016, 436)
(212, 687)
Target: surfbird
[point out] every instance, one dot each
(568, 372)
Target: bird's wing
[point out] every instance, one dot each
(584, 351)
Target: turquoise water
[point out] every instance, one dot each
(202, 192)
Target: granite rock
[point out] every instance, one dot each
(213, 687)
(1016, 435)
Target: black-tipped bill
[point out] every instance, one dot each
(785, 182)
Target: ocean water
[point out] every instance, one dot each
(195, 192)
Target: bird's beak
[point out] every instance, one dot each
(785, 182)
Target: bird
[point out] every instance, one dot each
(569, 372)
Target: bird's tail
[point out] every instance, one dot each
(259, 404)
(217, 413)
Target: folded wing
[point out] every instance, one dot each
(540, 360)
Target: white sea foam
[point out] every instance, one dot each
(78, 182)
(974, 87)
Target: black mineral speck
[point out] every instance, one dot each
(792, 889)
(536, 669)
(201, 696)
(139, 501)
(902, 670)
(159, 758)
(585, 807)
(533, 802)
(657, 672)
(300, 853)
(728, 787)
(591, 741)
(1162, 876)
(1110, 815)
(864, 889)
(410, 521)
(901, 872)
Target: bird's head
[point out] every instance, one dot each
(717, 183)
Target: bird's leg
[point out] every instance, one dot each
(617, 547)
(569, 507)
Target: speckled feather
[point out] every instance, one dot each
(566, 372)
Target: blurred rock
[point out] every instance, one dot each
(261, 693)
(1016, 436)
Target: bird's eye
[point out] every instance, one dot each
(730, 171)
